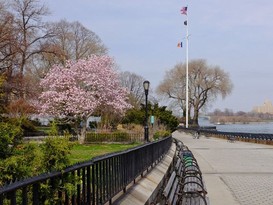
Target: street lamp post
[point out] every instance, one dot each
(146, 85)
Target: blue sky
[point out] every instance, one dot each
(142, 36)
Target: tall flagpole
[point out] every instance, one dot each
(187, 74)
(186, 23)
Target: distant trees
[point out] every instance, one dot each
(205, 84)
(228, 116)
(81, 87)
(136, 115)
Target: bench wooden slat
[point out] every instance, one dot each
(172, 196)
(169, 185)
(177, 165)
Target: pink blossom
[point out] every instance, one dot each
(80, 87)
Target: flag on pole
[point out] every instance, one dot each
(180, 45)
(185, 23)
(184, 10)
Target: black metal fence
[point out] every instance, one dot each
(92, 182)
(246, 137)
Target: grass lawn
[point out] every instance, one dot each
(81, 153)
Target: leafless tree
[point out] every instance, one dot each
(173, 88)
(30, 31)
(69, 41)
(205, 84)
(75, 40)
(7, 38)
(8, 50)
(134, 83)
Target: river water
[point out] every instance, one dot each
(265, 127)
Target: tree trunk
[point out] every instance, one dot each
(83, 131)
(195, 117)
(184, 112)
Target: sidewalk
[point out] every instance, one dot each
(234, 173)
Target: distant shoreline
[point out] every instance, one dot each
(222, 120)
(241, 123)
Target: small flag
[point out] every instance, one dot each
(180, 45)
(185, 23)
(184, 10)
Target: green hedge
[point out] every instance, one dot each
(161, 133)
(112, 137)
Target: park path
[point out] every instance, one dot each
(236, 173)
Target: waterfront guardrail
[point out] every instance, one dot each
(262, 138)
(92, 182)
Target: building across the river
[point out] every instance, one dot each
(267, 107)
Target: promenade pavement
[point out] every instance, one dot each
(234, 172)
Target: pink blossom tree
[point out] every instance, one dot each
(80, 87)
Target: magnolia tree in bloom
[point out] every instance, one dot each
(80, 87)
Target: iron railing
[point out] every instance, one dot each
(249, 137)
(92, 182)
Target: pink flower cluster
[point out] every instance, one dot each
(80, 87)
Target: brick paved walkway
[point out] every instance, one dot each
(235, 173)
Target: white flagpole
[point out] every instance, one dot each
(187, 74)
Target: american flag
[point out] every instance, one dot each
(184, 10)
(180, 45)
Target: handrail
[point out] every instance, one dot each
(92, 182)
(238, 135)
